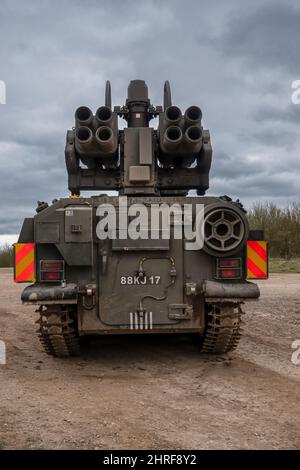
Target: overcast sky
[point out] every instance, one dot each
(235, 59)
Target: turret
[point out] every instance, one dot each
(138, 160)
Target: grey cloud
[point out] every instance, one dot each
(275, 136)
(289, 114)
(267, 35)
(234, 59)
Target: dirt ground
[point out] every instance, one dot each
(154, 392)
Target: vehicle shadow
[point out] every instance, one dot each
(150, 348)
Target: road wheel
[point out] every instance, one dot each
(58, 330)
(223, 328)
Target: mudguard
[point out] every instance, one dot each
(39, 294)
(230, 291)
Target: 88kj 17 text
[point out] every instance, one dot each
(139, 280)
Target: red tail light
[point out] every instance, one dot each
(52, 271)
(229, 273)
(230, 263)
(229, 268)
(51, 276)
(52, 265)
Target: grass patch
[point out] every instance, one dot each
(279, 265)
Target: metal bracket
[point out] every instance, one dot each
(75, 228)
(180, 311)
(192, 288)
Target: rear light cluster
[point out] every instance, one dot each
(229, 268)
(52, 271)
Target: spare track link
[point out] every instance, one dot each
(57, 331)
(223, 328)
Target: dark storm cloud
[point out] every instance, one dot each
(235, 59)
(288, 114)
(280, 139)
(267, 36)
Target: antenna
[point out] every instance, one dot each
(108, 94)
(167, 95)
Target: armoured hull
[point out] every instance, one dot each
(152, 259)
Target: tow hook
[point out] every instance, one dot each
(89, 297)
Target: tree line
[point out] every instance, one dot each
(281, 228)
(6, 256)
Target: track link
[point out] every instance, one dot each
(58, 332)
(223, 328)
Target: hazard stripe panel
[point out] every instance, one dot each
(24, 262)
(257, 259)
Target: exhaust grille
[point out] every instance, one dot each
(224, 230)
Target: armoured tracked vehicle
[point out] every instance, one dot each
(86, 283)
